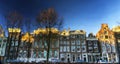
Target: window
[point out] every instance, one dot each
(67, 37)
(68, 48)
(84, 58)
(77, 36)
(96, 49)
(62, 59)
(56, 44)
(73, 42)
(61, 49)
(78, 42)
(64, 33)
(104, 28)
(78, 48)
(16, 43)
(90, 49)
(34, 54)
(72, 36)
(73, 48)
(50, 53)
(61, 42)
(82, 36)
(62, 55)
(45, 53)
(12, 43)
(89, 43)
(73, 57)
(95, 43)
(82, 41)
(106, 37)
(40, 43)
(83, 49)
(64, 48)
(55, 53)
(45, 44)
(64, 42)
(67, 42)
(89, 58)
(78, 57)
(4, 40)
(39, 53)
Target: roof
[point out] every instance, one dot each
(116, 29)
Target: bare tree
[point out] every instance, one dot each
(13, 20)
(28, 27)
(49, 19)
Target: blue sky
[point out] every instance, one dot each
(90, 14)
(78, 14)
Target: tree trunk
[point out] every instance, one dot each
(9, 47)
(29, 46)
(19, 41)
(48, 43)
(14, 47)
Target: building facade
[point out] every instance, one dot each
(107, 40)
(3, 41)
(73, 46)
(93, 48)
(25, 46)
(67, 45)
(116, 31)
(39, 45)
(13, 42)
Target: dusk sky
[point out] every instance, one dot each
(78, 14)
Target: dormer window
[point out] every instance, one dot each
(81, 30)
(64, 33)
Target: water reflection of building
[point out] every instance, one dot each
(3, 41)
(93, 48)
(107, 40)
(13, 42)
(38, 49)
(40, 45)
(73, 46)
(26, 42)
(116, 31)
